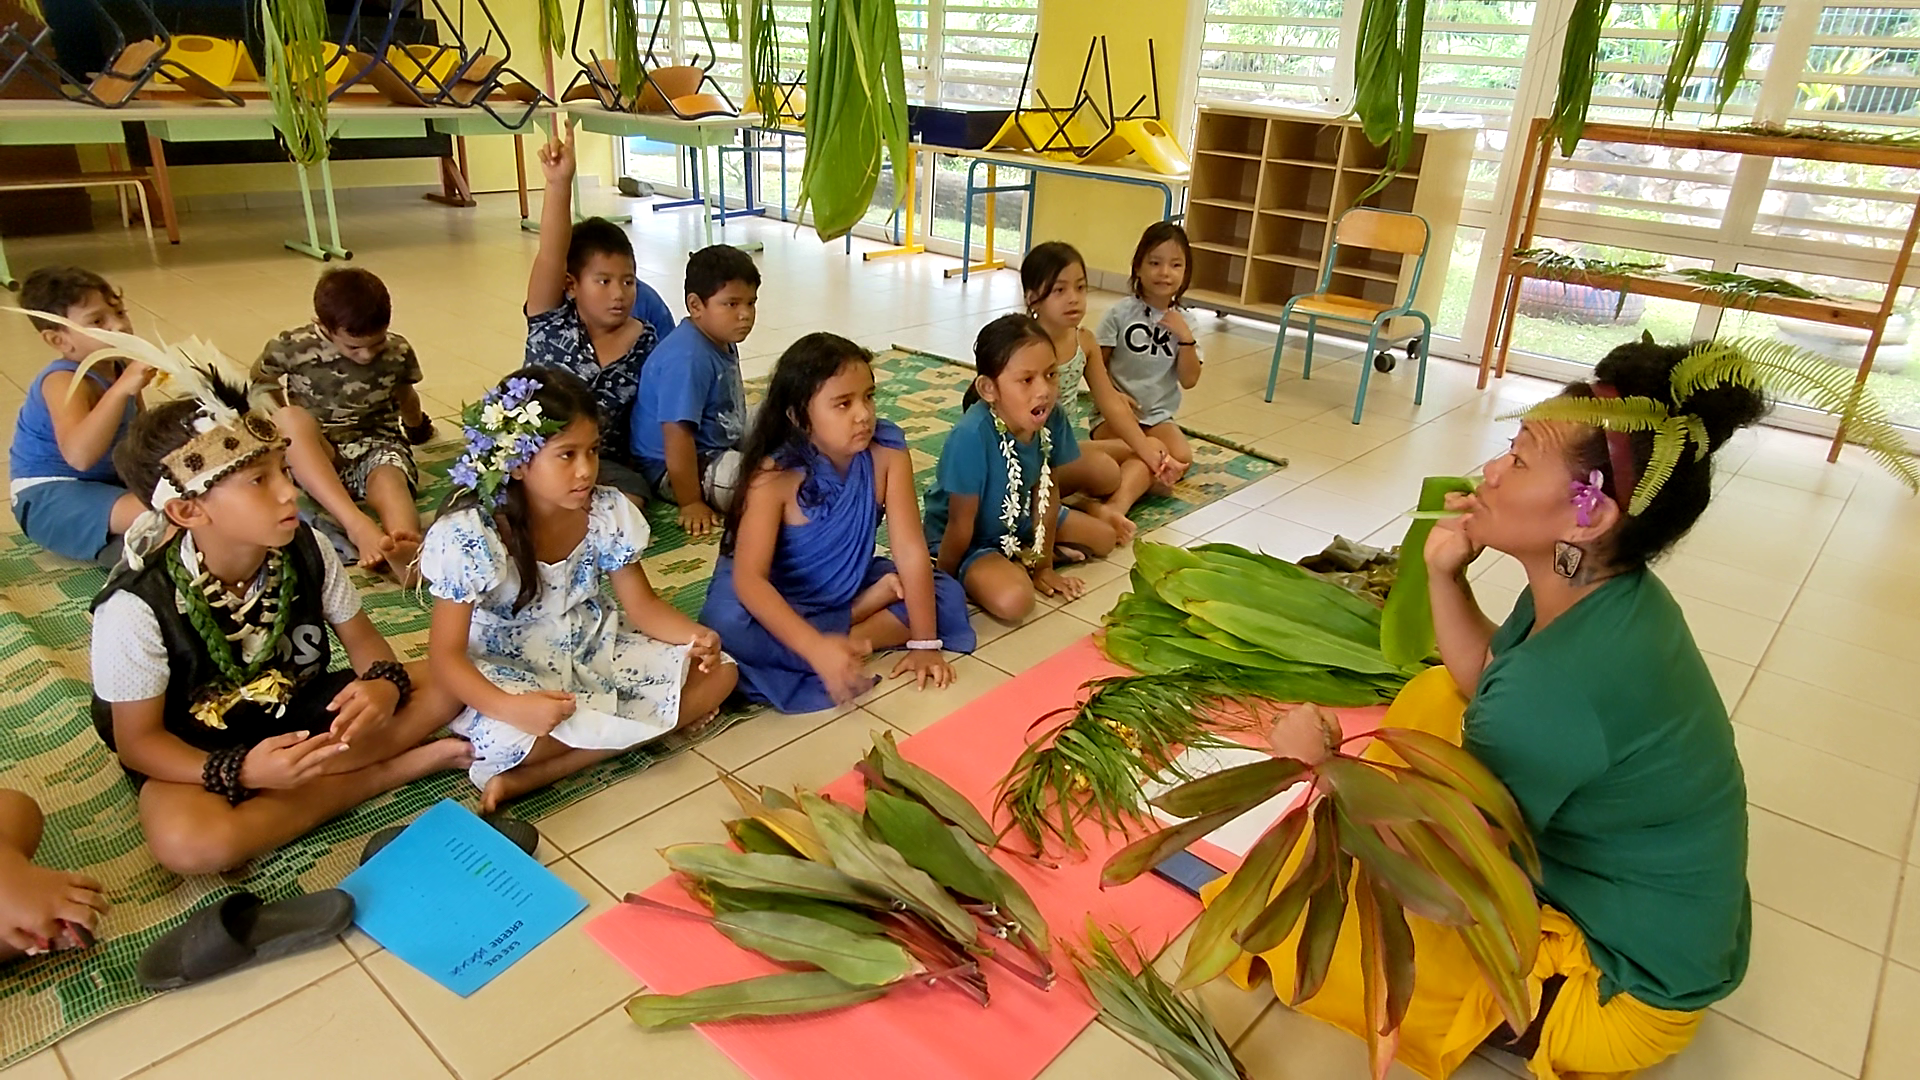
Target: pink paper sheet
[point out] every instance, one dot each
(932, 1033)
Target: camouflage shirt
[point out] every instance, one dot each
(348, 398)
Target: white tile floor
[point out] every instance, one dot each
(1795, 585)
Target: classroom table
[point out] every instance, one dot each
(66, 123)
(1171, 187)
(697, 135)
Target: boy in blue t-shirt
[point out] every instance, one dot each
(691, 411)
(66, 492)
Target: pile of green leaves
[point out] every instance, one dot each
(1259, 624)
(296, 75)
(1736, 288)
(1362, 569)
(856, 107)
(864, 902)
(1561, 266)
(1091, 768)
(1427, 834)
(1136, 1001)
(1827, 133)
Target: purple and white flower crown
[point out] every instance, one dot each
(504, 429)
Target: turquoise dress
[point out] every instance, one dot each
(819, 568)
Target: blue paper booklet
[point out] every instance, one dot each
(455, 899)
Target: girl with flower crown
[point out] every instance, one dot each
(994, 506)
(551, 678)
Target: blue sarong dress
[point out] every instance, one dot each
(819, 568)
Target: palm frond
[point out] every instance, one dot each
(296, 75)
(1627, 414)
(1669, 444)
(1809, 378)
(1739, 47)
(552, 25)
(626, 47)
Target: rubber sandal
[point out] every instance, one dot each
(421, 434)
(522, 835)
(240, 931)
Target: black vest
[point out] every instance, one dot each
(301, 654)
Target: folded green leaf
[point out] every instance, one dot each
(769, 995)
(769, 873)
(1406, 624)
(930, 789)
(881, 868)
(923, 840)
(796, 939)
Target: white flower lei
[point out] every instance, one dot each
(1010, 506)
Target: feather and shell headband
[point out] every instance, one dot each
(1778, 369)
(231, 429)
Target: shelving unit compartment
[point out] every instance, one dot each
(1210, 224)
(1216, 272)
(1230, 178)
(1291, 236)
(1276, 283)
(1226, 133)
(1298, 188)
(1300, 140)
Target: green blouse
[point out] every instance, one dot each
(1607, 727)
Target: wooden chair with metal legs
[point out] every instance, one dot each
(1392, 231)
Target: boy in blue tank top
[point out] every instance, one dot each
(65, 492)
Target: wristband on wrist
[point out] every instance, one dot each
(925, 645)
(394, 672)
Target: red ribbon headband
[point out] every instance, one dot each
(1620, 451)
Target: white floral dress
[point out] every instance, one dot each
(570, 637)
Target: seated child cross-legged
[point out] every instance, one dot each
(1147, 356)
(349, 412)
(552, 680)
(994, 505)
(210, 649)
(580, 299)
(692, 408)
(66, 493)
(799, 598)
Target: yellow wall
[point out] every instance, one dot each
(1104, 220)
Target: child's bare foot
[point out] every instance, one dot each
(372, 543)
(403, 565)
(877, 597)
(1123, 526)
(694, 727)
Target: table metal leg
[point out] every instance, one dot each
(312, 246)
(988, 261)
(907, 245)
(520, 174)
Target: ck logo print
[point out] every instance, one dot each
(1151, 339)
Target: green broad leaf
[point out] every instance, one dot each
(724, 900)
(795, 939)
(1149, 851)
(1213, 948)
(790, 826)
(1291, 640)
(1013, 898)
(1406, 623)
(1509, 989)
(1418, 888)
(768, 995)
(721, 865)
(930, 789)
(1152, 561)
(923, 840)
(1450, 765)
(1305, 602)
(1321, 932)
(1241, 785)
(1279, 572)
(883, 869)
(1369, 795)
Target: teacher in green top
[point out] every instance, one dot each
(1593, 705)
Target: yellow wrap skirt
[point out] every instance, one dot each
(1452, 1010)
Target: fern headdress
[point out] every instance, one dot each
(230, 431)
(1773, 367)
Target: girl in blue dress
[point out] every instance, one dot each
(799, 598)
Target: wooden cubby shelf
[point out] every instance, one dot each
(1261, 223)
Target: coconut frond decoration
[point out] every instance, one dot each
(626, 48)
(295, 33)
(1772, 367)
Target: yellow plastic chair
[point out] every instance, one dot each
(1394, 231)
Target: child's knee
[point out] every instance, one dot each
(706, 691)
(1101, 539)
(1009, 602)
(203, 849)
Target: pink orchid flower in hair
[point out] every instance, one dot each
(1588, 494)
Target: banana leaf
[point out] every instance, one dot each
(769, 995)
(796, 939)
(1406, 624)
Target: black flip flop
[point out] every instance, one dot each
(240, 931)
(524, 836)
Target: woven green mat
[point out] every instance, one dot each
(49, 750)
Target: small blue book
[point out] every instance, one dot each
(455, 899)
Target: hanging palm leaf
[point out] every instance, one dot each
(857, 96)
(626, 48)
(1386, 88)
(294, 33)
(1581, 54)
(552, 29)
(1579, 57)
(763, 62)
